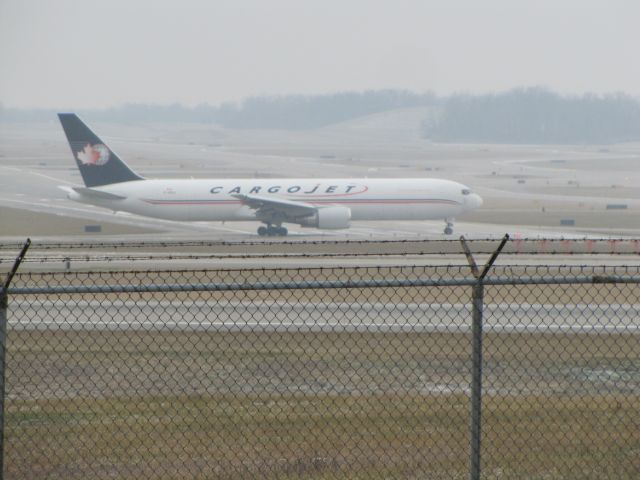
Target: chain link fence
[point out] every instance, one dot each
(324, 373)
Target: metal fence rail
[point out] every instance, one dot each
(355, 372)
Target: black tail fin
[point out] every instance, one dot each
(98, 164)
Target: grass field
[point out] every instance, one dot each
(150, 404)
(162, 403)
(18, 222)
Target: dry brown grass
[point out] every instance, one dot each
(18, 222)
(292, 405)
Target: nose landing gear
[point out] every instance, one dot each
(448, 230)
(272, 231)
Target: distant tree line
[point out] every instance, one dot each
(536, 115)
(285, 112)
(525, 115)
(299, 112)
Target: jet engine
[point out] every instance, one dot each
(328, 218)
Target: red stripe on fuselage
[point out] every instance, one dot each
(358, 201)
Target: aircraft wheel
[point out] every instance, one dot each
(274, 231)
(263, 231)
(448, 230)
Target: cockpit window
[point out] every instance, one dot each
(466, 191)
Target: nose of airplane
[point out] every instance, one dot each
(474, 201)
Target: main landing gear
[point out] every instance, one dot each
(448, 230)
(272, 231)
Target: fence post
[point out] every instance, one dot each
(476, 378)
(3, 343)
(476, 353)
(4, 304)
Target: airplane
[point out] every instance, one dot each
(309, 202)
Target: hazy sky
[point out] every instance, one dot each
(96, 53)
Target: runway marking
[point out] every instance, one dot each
(31, 172)
(233, 230)
(318, 316)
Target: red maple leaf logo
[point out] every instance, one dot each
(93, 154)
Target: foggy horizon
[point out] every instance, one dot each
(236, 103)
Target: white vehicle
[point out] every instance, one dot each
(309, 202)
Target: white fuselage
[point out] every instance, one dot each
(213, 200)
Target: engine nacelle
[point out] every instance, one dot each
(329, 218)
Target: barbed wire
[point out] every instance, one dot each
(271, 242)
(147, 258)
(345, 249)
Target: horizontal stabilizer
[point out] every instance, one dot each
(92, 193)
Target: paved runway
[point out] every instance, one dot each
(277, 316)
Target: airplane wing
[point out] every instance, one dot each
(271, 206)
